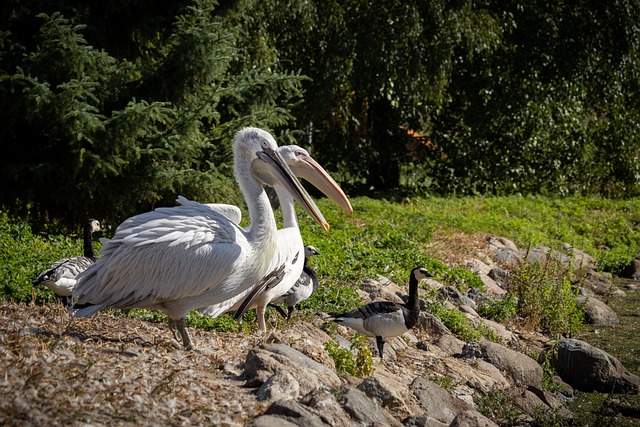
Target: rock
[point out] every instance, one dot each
(500, 275)
(495, 243)
(450, 344)
(364, 410)
(520, 367)
(598, 313)
(580, 259)
(287, 413)
(388, 393)
(328, 408)
(532, 400)
(471, 419)
(280, 385)
(379, 292)
(552, 402)
(308, 340)
(267, 359)
(272, 421)
(632, 271)
(595, 282)
(432, 325)
(436, 402)
(588, 368)
(422, 421)
(507, 257)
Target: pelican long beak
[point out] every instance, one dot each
(270, 168)
(307, 168)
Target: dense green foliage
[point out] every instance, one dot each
(110, 109)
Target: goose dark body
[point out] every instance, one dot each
(61, 276)
(383, 319)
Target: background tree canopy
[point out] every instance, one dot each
(112, 108)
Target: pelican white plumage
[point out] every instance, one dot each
(290, 248)
(381, 319)
(62, 275)
(188, 257)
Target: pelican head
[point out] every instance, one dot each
(268, 167)
(304, 166)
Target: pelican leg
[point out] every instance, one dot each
(380, 343)
(179, 330)
(262, 326)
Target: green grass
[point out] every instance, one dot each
(380, 237)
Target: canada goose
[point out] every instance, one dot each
(383, 319)
(61, 276)
(304, 287)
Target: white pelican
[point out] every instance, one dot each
(188, 257)
(304, 287)
(383, 319)
(290, 248)
(61, 276)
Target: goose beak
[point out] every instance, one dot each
(305, 167)
(270, 168)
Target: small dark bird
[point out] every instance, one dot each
(383, 319)
(304, 287)
(61, 276)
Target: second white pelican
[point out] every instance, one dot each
(290, 248)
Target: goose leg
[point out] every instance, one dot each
(380, 343)
(278, 309)
(289, 311)
(179, 330)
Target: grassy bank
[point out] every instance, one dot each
(387, 237)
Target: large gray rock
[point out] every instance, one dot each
(597, 312)
(437, 402)
(326, 404)
(520, 367)
(588, 368)
(388, 393)
(495, 243)
(280, 385)
(266, 360)
(364, 410)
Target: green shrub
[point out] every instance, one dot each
(547, 299)
(500, 309)
(459, 325)
(359, 365)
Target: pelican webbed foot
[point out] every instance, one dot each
(179, 330)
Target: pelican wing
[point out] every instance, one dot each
(164, 256)
(269, 281)
(230, 211)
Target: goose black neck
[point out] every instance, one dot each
(89, 252)
(413, 303)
